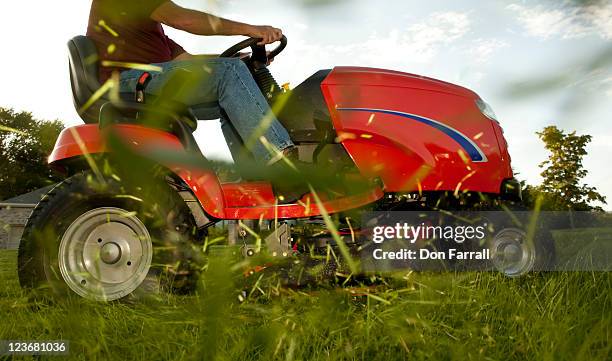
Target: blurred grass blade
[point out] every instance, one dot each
(334, 231)
(11, 130)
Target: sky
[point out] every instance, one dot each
(538, 63)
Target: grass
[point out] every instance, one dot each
(468, 316)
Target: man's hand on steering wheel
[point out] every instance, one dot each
(268, 34)
(259, 54)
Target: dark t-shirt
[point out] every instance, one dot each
(124, 32)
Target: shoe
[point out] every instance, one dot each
(292, 180)
(290, 186)
(291, 153)
(291, 195)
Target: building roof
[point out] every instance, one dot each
(29, 198)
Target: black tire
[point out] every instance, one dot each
(165, 216)
(511, 221)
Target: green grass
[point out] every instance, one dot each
(469, 316)
(590, 247)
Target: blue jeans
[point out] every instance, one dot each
(222, 88)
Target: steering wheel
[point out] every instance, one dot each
(259, 51)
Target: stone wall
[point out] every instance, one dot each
(12, 221)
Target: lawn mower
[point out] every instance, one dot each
(131, 208)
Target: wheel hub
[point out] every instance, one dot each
(110, 253)
(511, 253)
(105, 254)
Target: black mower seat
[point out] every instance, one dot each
(84, 63)
(84, 67)
(168, 115)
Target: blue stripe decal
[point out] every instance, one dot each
(473, 151)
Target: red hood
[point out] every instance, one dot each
(390, 78)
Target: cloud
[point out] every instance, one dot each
(566, 20)
(482, 49)
(439, 29)
(419, 42)
(411, 47)
(607, 86)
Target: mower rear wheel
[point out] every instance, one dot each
(103, 240)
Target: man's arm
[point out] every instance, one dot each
(200, 23)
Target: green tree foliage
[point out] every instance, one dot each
(25, 143)
(562, 187)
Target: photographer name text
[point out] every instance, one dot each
(426, 254)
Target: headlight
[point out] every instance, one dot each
(486, 109)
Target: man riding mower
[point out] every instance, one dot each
(139, 194)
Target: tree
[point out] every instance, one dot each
(25, 143)
(563, 172)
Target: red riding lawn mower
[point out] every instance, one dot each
(137, 200)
